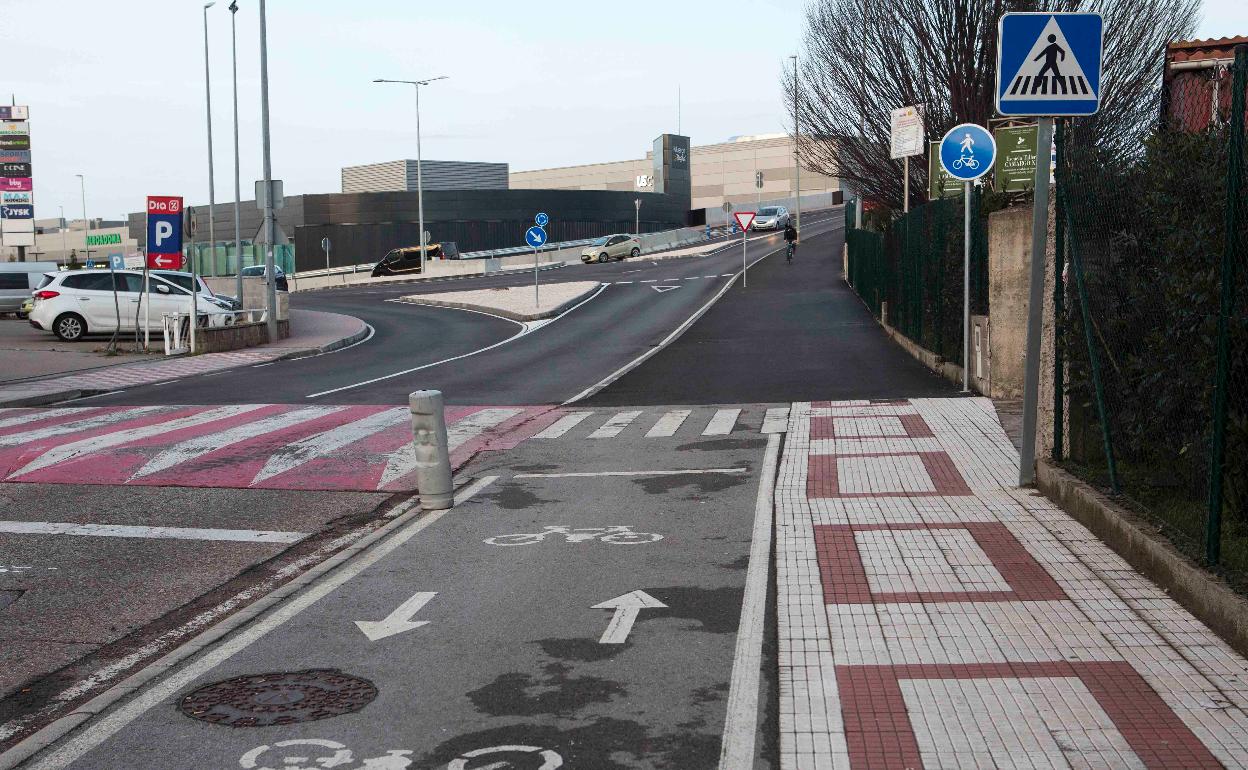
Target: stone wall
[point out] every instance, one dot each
(237, 337)
(1009, 266)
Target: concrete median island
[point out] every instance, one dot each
(514, 302)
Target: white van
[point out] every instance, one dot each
(18, 280)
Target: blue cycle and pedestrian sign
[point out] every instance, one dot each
(535, 237)
(967, 151)
(1049, 64)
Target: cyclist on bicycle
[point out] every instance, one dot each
(790, 235)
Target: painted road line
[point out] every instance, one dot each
(612, 427)
(109, 440)
(22, 419)
(623, 283)
(208, 443)
(97, 420)
(403, 460)
(776, 421)
(299, 452)
(592, 474)
(564, 424)
(524, 330)
(649, 280)
(669, 423)
(722, 423)
(741, 715)
(154, 533)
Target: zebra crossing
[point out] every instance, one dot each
(322, 447)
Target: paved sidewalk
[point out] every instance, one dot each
(313, 332)
(514, 302)
(932, 615)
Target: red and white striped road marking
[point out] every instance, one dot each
(273, 446)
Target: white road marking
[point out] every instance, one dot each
(403, 460)
(626, 607)
(108, 440)
(722, 423)
(199, 446)
(97, 420)
(649, 280)
(776, 421)
(741, 714)
(299, 452)
(591, 474)
(45, 414)
(669, 423)
(524, 330)
(329, 581)
(563, 425)
(725, 275)
(398, 621)
(612, 427)
(154, 533)
(662, 289)
(693, 278)
(623, 283)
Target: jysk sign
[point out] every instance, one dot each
(18, 211)
(164, 231)
(1049, 64)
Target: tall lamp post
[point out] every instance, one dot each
(212, 192)
(420, 184)
(238, 234)
(86, 223)
(797, 165)
(269, 271)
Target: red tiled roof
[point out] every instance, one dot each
(1196, 50)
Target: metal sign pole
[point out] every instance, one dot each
(966, 289)
(1035, 304)
(744, 268)
(537, 292)
(905, 204)
(147, 286)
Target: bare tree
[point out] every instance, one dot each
(864, 58)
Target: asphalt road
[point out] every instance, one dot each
(549, 365)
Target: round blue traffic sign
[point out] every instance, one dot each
(967, 151)
(535, 236)
(541, 219)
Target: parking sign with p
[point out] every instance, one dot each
(164, 232)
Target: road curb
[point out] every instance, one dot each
(417, 299)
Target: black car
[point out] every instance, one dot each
(257, 271)
(406, 260)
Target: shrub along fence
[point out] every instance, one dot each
(916, 267)
(1152, 333)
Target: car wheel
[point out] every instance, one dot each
(603, 257)
(635, 253)
(69, 327)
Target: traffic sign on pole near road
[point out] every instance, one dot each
(164, 232)
(744, 219)
(1049, 64)
(535, 237)
(967, 151)
(541, 219)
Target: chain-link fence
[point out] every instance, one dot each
(916, 267)
(1153, 334)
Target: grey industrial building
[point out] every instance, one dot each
(400, 176)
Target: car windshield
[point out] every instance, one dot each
(768, 212)
(602, 241)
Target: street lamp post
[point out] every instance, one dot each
(238, 234)
(269, 271)
(797, 165)
(212, 193)
(86, 223)
(420, 184)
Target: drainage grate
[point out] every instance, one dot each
(279, 698)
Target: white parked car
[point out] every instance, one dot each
(75, 303)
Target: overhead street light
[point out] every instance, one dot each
(86, 223)
(420, 184)
(238, 235)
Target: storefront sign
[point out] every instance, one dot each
(15, 169)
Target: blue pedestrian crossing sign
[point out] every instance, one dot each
(1049, 64)
(535, 237)
(967, 151)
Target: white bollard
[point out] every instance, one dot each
(433, 459)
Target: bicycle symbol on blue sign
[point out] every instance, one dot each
(967, 151)
(535, 237)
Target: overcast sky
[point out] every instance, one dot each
(116, 89)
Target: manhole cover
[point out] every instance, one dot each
(280, 698)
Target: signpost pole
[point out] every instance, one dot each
(744, 267)
(966, 288)
(1035, 304)
(905, 204)
(147, 285)
(537, 292)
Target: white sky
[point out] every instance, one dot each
(116, 89)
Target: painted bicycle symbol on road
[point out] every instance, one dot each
(619, 534)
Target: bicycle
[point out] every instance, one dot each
(619, 534)
(788, 254)
(967, 161)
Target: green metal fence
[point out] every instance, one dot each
(1153, 333)
(223, 260)
(916, 267)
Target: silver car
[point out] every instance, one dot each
(771, 218)
(611, 247)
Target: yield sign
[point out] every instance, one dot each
(744, 219)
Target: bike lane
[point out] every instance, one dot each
(580, 610)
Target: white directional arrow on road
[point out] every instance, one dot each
(398, 621)
(626, 609)
(661, 289)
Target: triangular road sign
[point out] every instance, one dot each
(661, 289)
(744, 219)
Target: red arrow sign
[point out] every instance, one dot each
(744, 219)
(164, 261)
